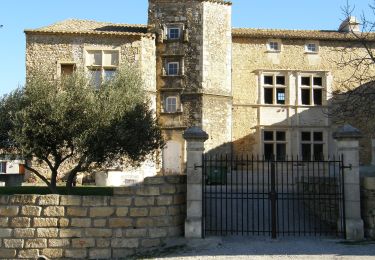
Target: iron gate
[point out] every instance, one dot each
(254, 196)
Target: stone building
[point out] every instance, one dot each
(252, 90)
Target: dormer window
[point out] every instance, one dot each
(312, 47)
(174, 33)
(274, 46)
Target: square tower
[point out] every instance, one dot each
(194, 52)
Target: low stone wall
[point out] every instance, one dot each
(134, 219)
(368, 205)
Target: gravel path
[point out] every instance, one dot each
(264, 248)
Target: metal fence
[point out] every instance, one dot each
(249, 195)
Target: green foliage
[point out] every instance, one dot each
(68, 119)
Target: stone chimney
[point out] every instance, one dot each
(350, 24)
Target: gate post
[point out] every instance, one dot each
(195, 138)
(347, 138)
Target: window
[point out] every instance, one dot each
(3, 167)
(173, 33)
(171, 104)
(67, 69)
(311, 90)
(172, 68)
(101, 65)
(274, 46)
(274, 145)
(312, 145)
(274, 89)
(312, 47)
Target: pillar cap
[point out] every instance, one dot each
(195, 133)
(347, 132)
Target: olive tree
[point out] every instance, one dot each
(69, 121)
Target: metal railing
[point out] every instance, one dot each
(248, 195)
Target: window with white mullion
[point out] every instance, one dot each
(274, 144)
(311, 90)
(312, 145)
(102, 65)
(274, 89)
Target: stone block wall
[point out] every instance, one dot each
(368, 205)
(134, 219)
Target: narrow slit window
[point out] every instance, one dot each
(306, 152)
(318, 96)
(280, 93)
(268, 95)
(305, 96)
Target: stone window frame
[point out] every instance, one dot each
(312, 142)
(312, 87)
(274, 142)
(310, 51)
(165, 98)
(103, 67)
(270, 47)
(275, 87)
(61, 63)
(173, 59)
(177, 68)
(169, 26)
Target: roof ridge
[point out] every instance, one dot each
(279, 29)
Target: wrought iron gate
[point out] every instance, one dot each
(253, 196)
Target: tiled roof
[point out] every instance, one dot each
(73, 26)
(299, 34)
(219, 2)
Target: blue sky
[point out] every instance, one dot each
(17, 15)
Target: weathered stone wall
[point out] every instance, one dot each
(250, 59)
(204, 53)
(47, 52)
(368, 205)
(134, 219)
(217, 76)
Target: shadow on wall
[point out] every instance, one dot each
(306, 131)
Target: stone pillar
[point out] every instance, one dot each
(373, 152)
(347, 138)
(195, 138)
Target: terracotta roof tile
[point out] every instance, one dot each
(74, 26)
(300, 34)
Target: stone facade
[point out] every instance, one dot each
(134, 219)
(251, 61)
(202, 72)
(368, 205)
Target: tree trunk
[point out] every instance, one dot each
(54, 179)
(71, 179)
